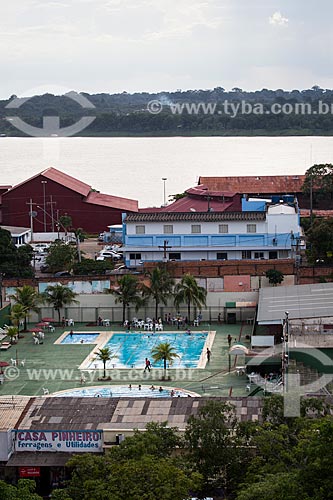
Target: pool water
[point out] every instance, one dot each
(80, 338)
(118, 391)
(130, 350)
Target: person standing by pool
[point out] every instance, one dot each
(208, 354)
(147, 365)
(71, 334)
(161, 389)
(229, 339)
(139, 387)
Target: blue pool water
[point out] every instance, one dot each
(118, 391)
(130, 350)
(80, 338)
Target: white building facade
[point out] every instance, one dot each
(272, 233)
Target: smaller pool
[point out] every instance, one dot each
(118, 391)
(80, 338)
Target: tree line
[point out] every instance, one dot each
(125, 113)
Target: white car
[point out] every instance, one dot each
(109, 255)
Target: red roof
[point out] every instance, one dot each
(107, 200)
(263, 184)
(189, 204)
(305, 212)
(66, 180)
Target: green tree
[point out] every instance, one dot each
(164, 352)
(59, 296)
(25, 490)
(104, 355)
(319, 180)
(17, 315)
(61, 257)
(320, 241)
(160, 286)
(29, 298)
(94, 267)
(214, 446)
(187, 291)
(14, 262)
(127, 292)
(66, 222)
(282, 486)
(12, 332)
(275, 277)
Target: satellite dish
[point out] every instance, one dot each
(192, 209)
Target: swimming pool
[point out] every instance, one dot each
(80, 338)
(130, 350)
(118, 391)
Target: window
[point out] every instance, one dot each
(135, 256)
(273, 255)
(174, 256)
(168, 229)
(246, 254)
(284, 254)
(196, 228)
(223, 228)
(222, 256)
(251, 228)
(259, 255)
(140, 229)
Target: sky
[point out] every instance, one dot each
(163, 45)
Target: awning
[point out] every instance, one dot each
(39, 459)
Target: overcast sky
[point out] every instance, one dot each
(154, 45)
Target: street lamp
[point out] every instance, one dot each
(285, 350)
(44, 201)
(164, 179)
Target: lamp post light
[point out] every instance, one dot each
(285, 349)
(164, 179)
(44, 202)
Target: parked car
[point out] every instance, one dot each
(109, 255)
(101, 237)
(62, 274)
(44, 268)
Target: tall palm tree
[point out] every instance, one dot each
(59, 296)
(164, 352)
(104, 355)
(187, 291)
(17, 314)
(160, 286)
(127, 292)
(29, 298)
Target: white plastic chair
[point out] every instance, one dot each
(13, 361)
(150, 326)
(36, 340)
(71, 322)
(106, 322)
(146, 326)
(45, 391)
(22, 362)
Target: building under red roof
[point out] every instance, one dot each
(260, 184)
(55, 193)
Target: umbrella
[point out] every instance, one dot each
(35, 330)
(3, 364)
(49, 320)
(42, 324)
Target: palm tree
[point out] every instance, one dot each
(18, 313)
(160, 286)
(104, 355)
(12, 332)
(127, 292)
(164, 352)
(187, 291)
(29, 298)
(59, 296)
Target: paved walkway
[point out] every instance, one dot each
(55, 367)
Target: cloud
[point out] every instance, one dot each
(277, 19)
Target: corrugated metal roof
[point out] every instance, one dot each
(11, 408)
(67, 181)
(195, 216)
(270, 184)
(39, 459)
(301, 301)
(116, 202)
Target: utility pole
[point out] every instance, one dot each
(44, 202)
(164, 179)
(32, 214)
(165, 248)
(285, 349)
(51, 203)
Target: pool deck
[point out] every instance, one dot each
(56, 367)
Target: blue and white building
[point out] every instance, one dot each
(271, 231)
